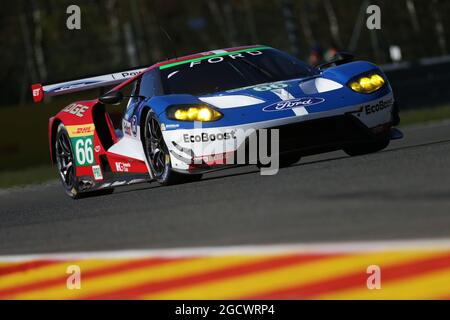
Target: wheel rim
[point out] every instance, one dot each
(156, 148)
(64, 159)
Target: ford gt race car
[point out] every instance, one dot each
(191, 115)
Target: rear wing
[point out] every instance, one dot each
(40, 91)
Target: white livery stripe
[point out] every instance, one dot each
(320, 247)
(235, 101)
(283, 94)
(128, 147)
(319, 85)
(300, 111)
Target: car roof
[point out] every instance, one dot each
(204, 54)
(186, 58)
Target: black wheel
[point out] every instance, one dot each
(366, 148)
(289, 159)
(66, 167)
(286, 160)
(396, 115)
(158, 155)
(65, 162)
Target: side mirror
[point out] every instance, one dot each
(114, 97)
(339, 58)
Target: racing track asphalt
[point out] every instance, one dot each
(400, 193)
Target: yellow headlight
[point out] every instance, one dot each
(181, 115)
(205, 114)
(377, 80)
(196, 113)
(368, 84)
(192, 113)
(356, 86)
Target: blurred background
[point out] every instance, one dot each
(413, 47)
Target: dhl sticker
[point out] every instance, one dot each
(85, 130)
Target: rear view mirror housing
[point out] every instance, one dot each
(112, 98)
(339, 59)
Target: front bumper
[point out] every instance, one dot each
(202, 150)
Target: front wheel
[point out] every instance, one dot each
(158, 155)
(366, 148)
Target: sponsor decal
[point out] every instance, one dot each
(170, 126)
(81, 131)
(122, 166)
(84, 151)
(295, 103)
(74, 86)
(130, 74)
(97, 171)
(127, 127)
(134, 125)
(239, 54)
(269, 87)
(97, 149)
(380, 106)
(38, 93)
(221, 58)
(76, 109)
(205, 137)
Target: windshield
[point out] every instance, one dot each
(231, 71)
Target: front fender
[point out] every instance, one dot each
(346, 72)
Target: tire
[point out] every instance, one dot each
(396, 115)
(286, 161)
(289, 160)
(158, 155)
(66, 167)
(366, 148)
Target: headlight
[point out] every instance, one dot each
(368, 84)
(201, 113)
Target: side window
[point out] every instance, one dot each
(117, 112)
(150, 84)
(132, 102)
(135, 92)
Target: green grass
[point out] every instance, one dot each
(26, 145)
(27, 176)
(425, 115)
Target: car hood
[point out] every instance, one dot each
(305, 91)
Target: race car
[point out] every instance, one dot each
(188, 116)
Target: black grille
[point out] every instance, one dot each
(322, 135)
(328, 133)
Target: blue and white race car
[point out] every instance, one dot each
(191, 115)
